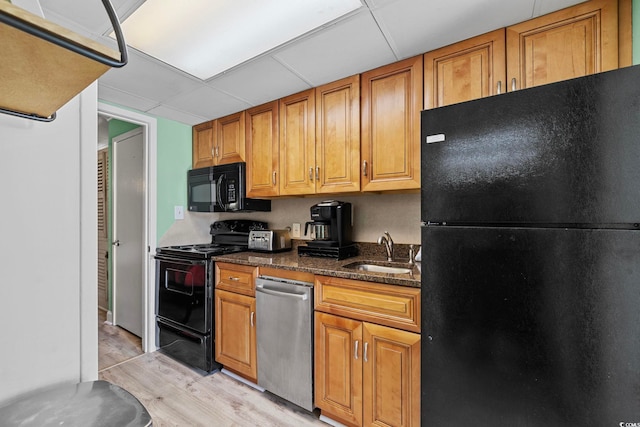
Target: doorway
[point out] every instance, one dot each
(147, 243)
(128, 248)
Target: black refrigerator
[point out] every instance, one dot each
(531, 257)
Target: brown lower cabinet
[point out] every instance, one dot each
(366, 374)
(236, 333)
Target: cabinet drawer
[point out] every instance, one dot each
(236, 278)
(389, 305)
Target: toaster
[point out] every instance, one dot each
(269, 240)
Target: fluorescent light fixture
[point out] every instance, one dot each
(207, 37)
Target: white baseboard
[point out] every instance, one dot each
(242, 380)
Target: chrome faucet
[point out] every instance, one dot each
(388, 244)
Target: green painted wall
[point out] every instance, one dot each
(174, 160)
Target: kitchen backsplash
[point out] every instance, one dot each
(399, 214)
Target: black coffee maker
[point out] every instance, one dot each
(330, 230)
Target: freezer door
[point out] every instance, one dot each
(530, 327)
(566, 152)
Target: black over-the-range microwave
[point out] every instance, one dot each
(221, 189)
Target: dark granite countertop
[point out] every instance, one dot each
(290, 260)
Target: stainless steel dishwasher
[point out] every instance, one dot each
(284, 314)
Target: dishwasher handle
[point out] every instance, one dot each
(265, 290)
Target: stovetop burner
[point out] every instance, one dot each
(227, 237)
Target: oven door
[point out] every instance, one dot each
(184, 292)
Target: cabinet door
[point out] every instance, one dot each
(468, 70)
(236, 333)
(297, 144)
(262, 150)
(338, 367)
(202, 154)
(229, 139)
(391, 103)
(572, 42)
(391, 376)
(338, 136)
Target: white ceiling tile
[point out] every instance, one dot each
(543, 7)
(346, 48)
(176, 115)
(259, 81)
(207, 102)
(417, 26)
(84, 16)
(149, 78)
(116, 96)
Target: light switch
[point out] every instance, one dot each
(178, 212)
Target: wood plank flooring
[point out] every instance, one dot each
(115, 345)
(178, 395)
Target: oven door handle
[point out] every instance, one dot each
(180, 260)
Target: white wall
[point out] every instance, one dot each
(372, 215)
(48, 290)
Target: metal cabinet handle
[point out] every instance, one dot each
(217, 151)
(366, 346)
(317, 173)
(355, 350)
(274, 178)
(311, 174)
(234, 279)
(499, 89)
(252, 315)
(364, 168)
(213, 153)
(513, 84)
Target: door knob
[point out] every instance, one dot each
(116, 243)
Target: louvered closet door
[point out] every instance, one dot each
(103, 243)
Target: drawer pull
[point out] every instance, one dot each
(366, 346)
(355, 350)
(234, 279)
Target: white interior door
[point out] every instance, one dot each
(129, 247)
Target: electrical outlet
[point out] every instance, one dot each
(178, 212)
(295, 230)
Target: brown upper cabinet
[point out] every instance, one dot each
(202, 154)
(468, 70)
(391, 101)
(262, 148)
(297, 143)
(219, 141)
(588, 38)
(572, 42)
(307, 143)
(338, 136)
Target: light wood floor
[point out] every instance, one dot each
(115, 345)
(177, 395)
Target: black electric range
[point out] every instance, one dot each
(185, 277)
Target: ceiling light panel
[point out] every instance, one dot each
(207, 37)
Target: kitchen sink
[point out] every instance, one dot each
(380, 267)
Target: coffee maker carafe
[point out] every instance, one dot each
(331, 225)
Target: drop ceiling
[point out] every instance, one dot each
(378, 33)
